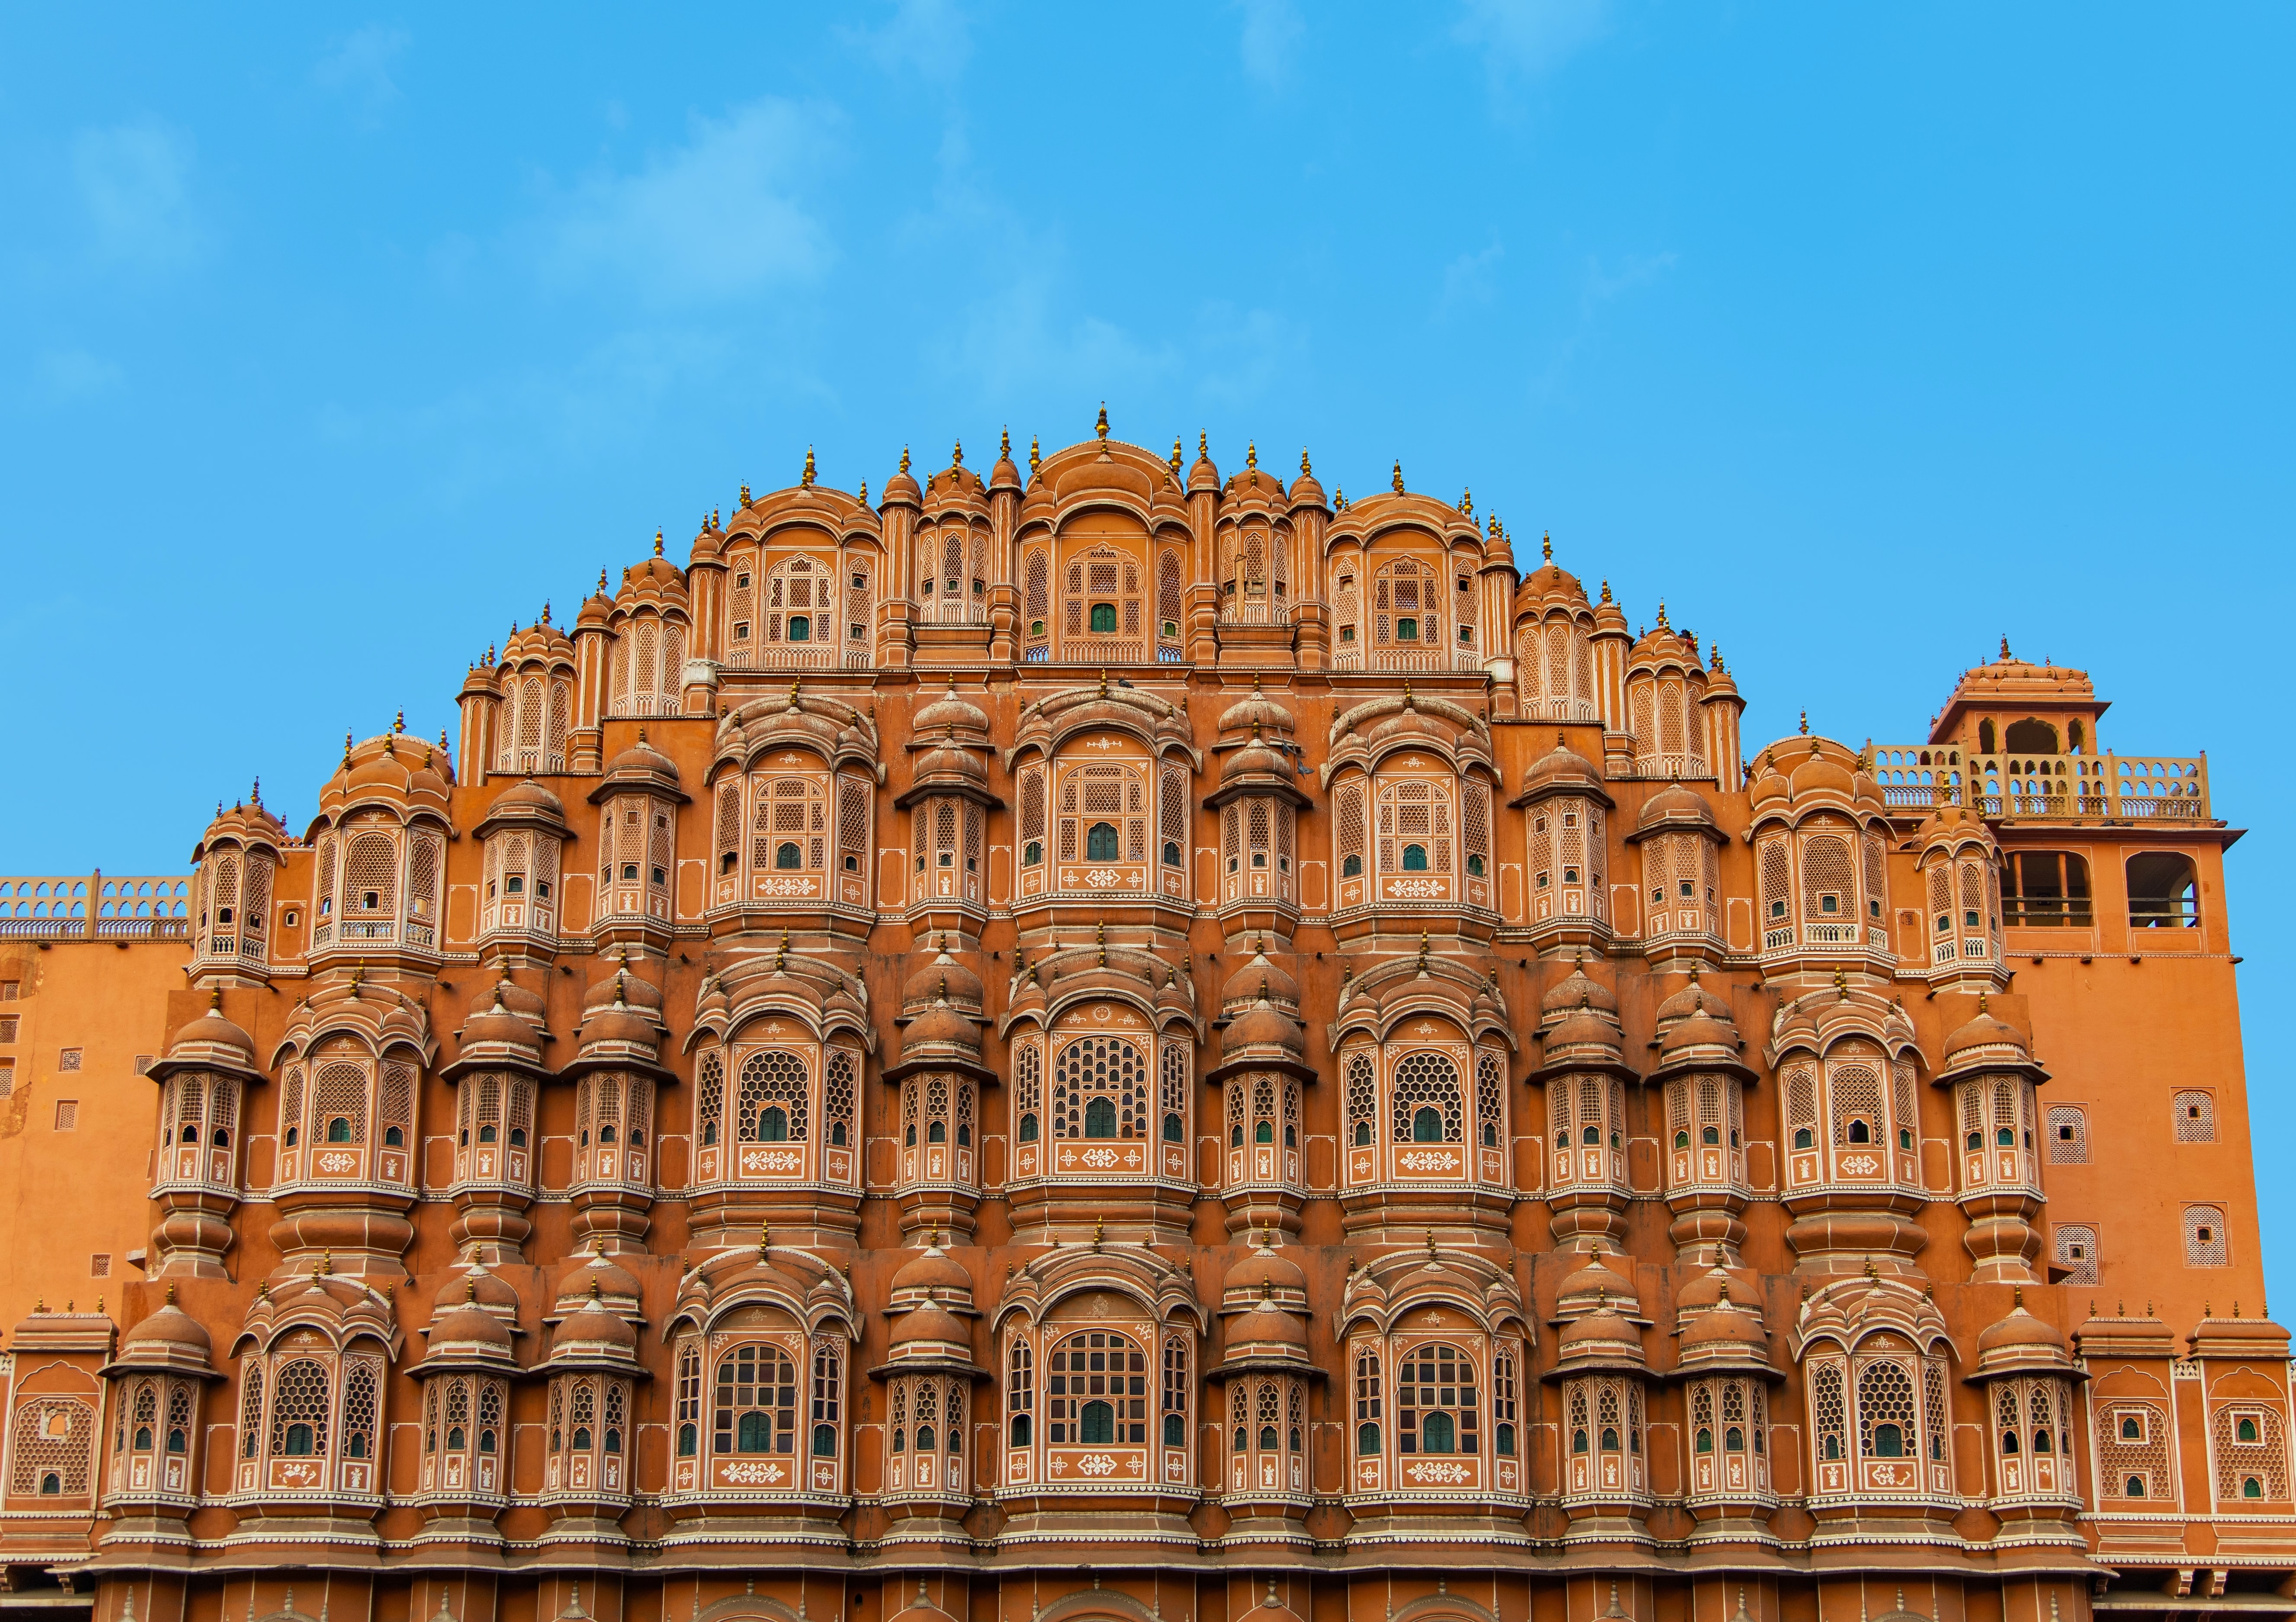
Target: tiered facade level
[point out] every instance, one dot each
(1112, 1042)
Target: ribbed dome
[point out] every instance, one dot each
(1254, 759)
(213, 1035)
(1561, 768)
(1678, 804)
(1985, 1030)
(593, 1328)
(1263, 1026)
(1725, 1325)
(1693, 999)
(930, 1322)
(2018, 1330)
(1260, 977)
(1265, 1272)
(948, 712)
(1268, 1324)
(642, 760)
(469, 1327)
(531, 799)
(941, 1025)
(1575, 990)
(494, 1025)
(933, 1270)
(1583, 1029)
(171, 1327)
(943, 979)
(1698, 1031)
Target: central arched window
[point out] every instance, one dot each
(1096, 1391)
(1100, 1089)
(756, 1406)
(771, 1101)
(1100, 843)
(1103, 623)
(1436, 1406)
(1429, 1108)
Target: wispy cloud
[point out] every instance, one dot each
(930, 38)
(1528, 37)
(1469, 281)
(718, 219)
(134, 181)
(1599, 285)
(357, 67)
(1272, 29)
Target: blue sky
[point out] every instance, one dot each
(331, 342)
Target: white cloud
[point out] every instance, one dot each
(134, 181)
(930, 38)
(1528, 37)
(718, 220)
(358, 67)
(1271, 34)
(1470, 279)
(75, 374)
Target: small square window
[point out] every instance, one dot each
(7, 1078)
(7, 1028)
(10, 990)
(144, 1064)
(67, 1115)
(99, 1266)
(68, 1059)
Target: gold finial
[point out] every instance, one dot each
(399, 723)
(2017, 1298)
(1100, 428)
(765, 1239)
(1036, 457)
(905, 459)
(1100, 938)
(865, 493)
(1176, 456)
(957, 455)
(1398, 475)
(804, 479)
(1203, 446)
(1339, 498)
(1546, 550)
(1098, 1223)
(745, 495)
(1467, 502)
(1981, 1001)
(1104, 684)
(1305, 471)
(1805, 723)
(657, 543)
(2005, 644)
(1005, 442)
(1606, 591)
(1251, 455)
(1662, 616)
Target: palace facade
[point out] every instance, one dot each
(1108, 1041)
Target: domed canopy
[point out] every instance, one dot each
(210, 1041)
(468, 1333)
(1986, 1043)
(2018, 1343)
(1599, 1340)
(1596, 1287)
(592, 1332)
(941, 1027)
(1263, 1029)
(1693, 1000)
(1676, 806)
(1264, 1273)
(1562, 770)
(943, 979)
(1260, 977)
(640, 767)
(949, 714)
(525, 804)
(170, 1340)
(1574, 992)
(931, 1273)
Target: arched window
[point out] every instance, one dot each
(1370, 1397)
(1019, 1393)
(1437, 1408)
(1100, 1089)
(1100, 843)
(756, 1406)
(300, 1410)
(771, 1102)
(1096, 1390)
(1427, 1099)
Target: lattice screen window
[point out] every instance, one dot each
(1036, 596)
(741, 611)
(1428, 1105)
(860, 598)
(1856, 1091)
(1828, 886)
(2194, 1112)
(2251, 1459)
(1363, 1099)
(2068, 1134)
(2073, 1247)
(50, 1451)
(1777, 882)
(1172, 816)
(2205, 1244)
(2133, 1461)
(1168, 598)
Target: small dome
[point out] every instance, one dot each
(1983, 1031)
(1254, 759)
(931, 1322)
(618, 1024)
(1597, 1287)
(1256, 709)
(469, 1327)
(932, 1270)
(2018, 1330)
(946, 763)
(947, 712)
(599, 1277)
(1693, 999)
(485, 1289)
(212, 1035)
(1584, 1029)
(1268, 1324)
(1725, 1326)
(494, 1025)
(1815, 774)
(1575, 991)
(1707, 1289)
(940, 1026)
(1699, 1031)
(1259, 978)
(171, 1327)
(641, 762)
(1597, 1335)
(1675, 806)
(593, 1328)
(1263, 1027)
(1560, 768)
(942, 979)
(1264, 1272)
(529, 799)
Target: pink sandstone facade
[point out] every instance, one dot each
(1109, 1042)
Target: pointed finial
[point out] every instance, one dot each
(1398, 475)
(1606, 591)
(1098, 1223)
(1305, 471)
(1203, 445)
(1662, 616)
(1100, 428)
(957, 455)
(1251, 455)
(804, 479)
(1174, 464)
(1805, 723)
(399, 724)
(2005, 644)
(905, 459)
(2017, 1298)
(1005, 442)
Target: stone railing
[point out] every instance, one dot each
(97, 908)
(2136, 788)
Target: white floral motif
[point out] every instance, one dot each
(1438, 1475)
(1096, 1464)
(1860, 1165)
(1428, 1159)
(753, 1474)
(1418, 889)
